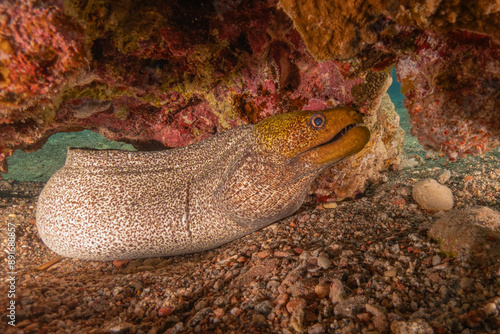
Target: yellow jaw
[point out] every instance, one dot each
(322, 137)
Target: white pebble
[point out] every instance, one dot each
(409, 163)
(436, 259)
(444, 177)
(433, 196)
(324, 262)
(491, 309)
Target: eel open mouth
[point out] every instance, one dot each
(340, 134)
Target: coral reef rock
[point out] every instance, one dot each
(447, 55)
(453, 101)
(342, 29)
(469, 234)
(167, 74)
(171, 74)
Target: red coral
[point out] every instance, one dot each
(452, 87)
(43, 49)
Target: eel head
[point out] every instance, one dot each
(319, 138)
(271, 180)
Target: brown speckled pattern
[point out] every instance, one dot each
(109, 205)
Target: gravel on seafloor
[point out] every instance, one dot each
(364, 266)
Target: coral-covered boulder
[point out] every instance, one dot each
(447, 55)
(453, 100)
(469, 234)
(167, 74)
(384, 151)
(171, 74)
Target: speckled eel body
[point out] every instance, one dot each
(111, 205)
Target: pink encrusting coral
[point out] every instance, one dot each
(39, 48)
(173, 73)
(170, 85)
(452, 88)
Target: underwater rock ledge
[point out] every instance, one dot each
(167, 75)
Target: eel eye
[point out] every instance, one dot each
(318, 121)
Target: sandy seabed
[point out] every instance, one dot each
(366, 266)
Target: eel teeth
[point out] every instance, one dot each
(341, 133)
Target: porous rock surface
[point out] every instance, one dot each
(472, 233)
(453, 101)
(172, 74)
(384, 150)
(446, 52)
(168, 74)
(342, 29)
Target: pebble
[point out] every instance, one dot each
(264, 307)
(178, 328)
(120, 263)
(312, 264)
(31, 327)
(491, 309)
(375, 310)
(295, 305)
(219, 312)
(432, 196)
(465, 283)
(5, 185)
(41, 309)
(391, 272)
(303, 288)
(350, 307)
(273, 285)
(200, 305)
(322, 290)
(23, 323)
(432, 155)
(264, 254)
(304, 256)
(165, 311)
(331, 205)
(436, 259)
(337, 291)
(120, 328)
(199, 316)
(316, 329)
(415, 326)
(379, 317)
(235, 311)
(259, 319)
(404, 191)
(305, 218)
(324, 262)
(409, 163)
(444, 176)
(281, 299)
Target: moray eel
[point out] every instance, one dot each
(116, 205)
